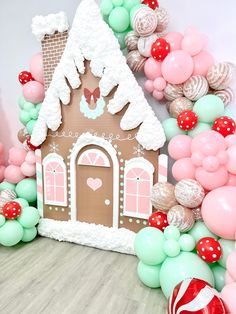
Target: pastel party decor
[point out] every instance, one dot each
(162, 196)
(36, 67)
(195, 87)
(200, 231)
(33, 92)
(189, 193)
(143, 20)
(208, 108)
(228, 295)
(220, 75)
(181, 217)
(202, 62)
(179, 105)
(149, 275)
(26, 189)
(209, 249)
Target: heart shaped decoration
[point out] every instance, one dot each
(94, 184)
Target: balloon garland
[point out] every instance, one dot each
(194, 222)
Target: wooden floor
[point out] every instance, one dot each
(47, 276)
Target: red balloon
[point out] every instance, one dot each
(160, 49)
(209, 249)
(153, 4)
(25, 77)
(224, 125)
(195, 296)
(187, 120)
(11, 210)
(158, 220)
(31, 146)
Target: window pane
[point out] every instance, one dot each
(50, 193)
(131, 187)
(59, 195)
(49, 178)
(59, 179)
(144, 205)
(131, 204)
(144, 188)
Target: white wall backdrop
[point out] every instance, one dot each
(213, 17)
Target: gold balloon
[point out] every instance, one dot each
(181, 217)
(163, 197)
(178, 105)
(22, 135)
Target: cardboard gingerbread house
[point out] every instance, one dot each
(99, 137)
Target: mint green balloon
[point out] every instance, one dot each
(228, 247)
(29, 217)
(185, 265)
(187, 243)
(7, 186)
(106, 7)
(28, 106)
(29, 234)
(200, 230)
(171, 233)
(171, 128)
(201, 127)
(21, 101)
(129, 4)
(148, 246)
(121, 39)
(34, 114)
(27, 189)
(38, 106)
(2, 220)
(30, 126)
(219, 275)
(134, 8)
(11, 233)
(119, 19)
(208, 108)
(24, 117)
(171, 248)
(117, 3)
(149, 275)
(23, 203)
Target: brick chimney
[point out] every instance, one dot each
(52, 31)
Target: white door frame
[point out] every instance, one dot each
(88, 139)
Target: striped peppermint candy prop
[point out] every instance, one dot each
(195, 296)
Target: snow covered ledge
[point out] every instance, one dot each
(48, 25)
(98, 236)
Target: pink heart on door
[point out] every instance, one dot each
(94, 184)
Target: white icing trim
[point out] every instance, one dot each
(99, 153)
(90, 38)
(143, 163)
(98, 236)
(57, 158)
(48, 25)
(88, 139)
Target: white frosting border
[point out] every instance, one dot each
(90, 38)
(48, 25)
(98, 236)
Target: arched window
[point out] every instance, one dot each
(138, 181)
(93, 157)
(55, 181)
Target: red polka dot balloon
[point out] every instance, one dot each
(25, 77)
(153, 4)
(224, 125)
(31, 146)
(158, 220)
(160, 49)
(187, 120)
(209, 249)
(11, 210)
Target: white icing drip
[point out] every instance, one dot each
(91, 39)
(111, 239)
(48, 25)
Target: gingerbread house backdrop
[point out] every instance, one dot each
(100, 138)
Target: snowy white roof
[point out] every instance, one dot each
(90, 38)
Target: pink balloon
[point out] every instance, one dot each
(177, 67)
(13, 174)
(148, 85)
(219, 212)
(159, 84)
(29, 170)
(208, 142)
(33, 92)
(16, 156)
(197, 158)
(180, 146)
(202, 62)
(30, 157)
(158, 95)
(231, 180)
(231, 265)
(2, 170)
(1, 153)
(193, 43)
(231, 140)
(228, 296)
(212, 180)
(183, 169)
(36, 67)
(222, 157)
(174, 39)
(228, 278)
(211, 163)
(231, 164)
(152, 69)
(191, 30)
